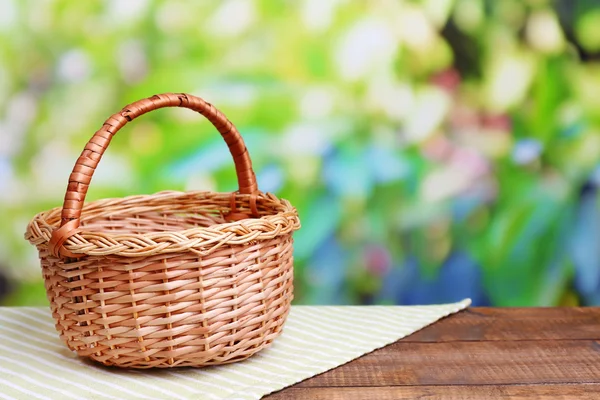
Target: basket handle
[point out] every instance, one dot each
(86, 164)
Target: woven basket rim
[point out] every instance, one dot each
(202, 240)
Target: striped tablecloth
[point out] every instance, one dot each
(34, 363)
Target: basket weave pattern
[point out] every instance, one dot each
(170, 279)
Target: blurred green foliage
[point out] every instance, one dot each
(435, 149)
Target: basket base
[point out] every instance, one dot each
(193, 361)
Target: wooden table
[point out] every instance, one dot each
(516, 353)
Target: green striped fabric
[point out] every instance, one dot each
(35, 364)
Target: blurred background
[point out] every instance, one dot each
(435, 149)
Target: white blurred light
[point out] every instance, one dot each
(6, 175)
(509, 80)
(466, 168)
(51, 167)
(368, 46)
(317, 14)
(20, 112)
(53, 164)
(316, 102)
(415, 29)
(132, 61)
(74, 66)
(232, 18)
(469, 14)
(395, 99)
(22, 109)
(4, 84)
(74, 111)
(124, 11)
(8, 14)
(431, 108)
(305, 139)
(444, 182)
(544, 33)
(438, 11)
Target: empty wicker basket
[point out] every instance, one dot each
(169, 279)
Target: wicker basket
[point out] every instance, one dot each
(169, 279)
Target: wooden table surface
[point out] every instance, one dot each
(479, 353)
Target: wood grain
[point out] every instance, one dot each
(480, 353)
(470, 363)
(529, 392)
(514, 324)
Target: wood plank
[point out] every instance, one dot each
(522, 353)
(470, 363)
(514, 324)
(527, 392)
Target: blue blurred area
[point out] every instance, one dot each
(584, 248)
(459, 277)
